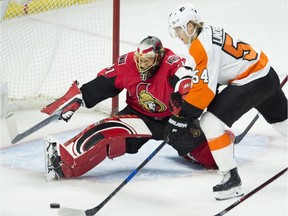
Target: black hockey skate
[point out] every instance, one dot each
(229, 187)
(53, 161)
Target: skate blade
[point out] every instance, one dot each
(229, 194)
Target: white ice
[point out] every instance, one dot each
(167, 185)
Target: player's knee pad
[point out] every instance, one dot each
(98, 141)
(211, 125)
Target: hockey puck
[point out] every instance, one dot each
(54, 205)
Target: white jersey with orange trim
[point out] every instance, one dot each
(219, 58)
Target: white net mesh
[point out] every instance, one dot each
(47, 44)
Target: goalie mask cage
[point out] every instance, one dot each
(47, 44)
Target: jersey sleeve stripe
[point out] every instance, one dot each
(200, 95)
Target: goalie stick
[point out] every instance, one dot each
(243, 134)
(89, 212)
(12, 127)
(251, 193)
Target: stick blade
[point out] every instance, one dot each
(70, 212)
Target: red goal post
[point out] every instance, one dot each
(116, 45)
(47, 44)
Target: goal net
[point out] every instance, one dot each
(47, 44)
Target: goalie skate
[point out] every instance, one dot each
(53, 161)
(230, 186)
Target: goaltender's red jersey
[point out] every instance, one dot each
(148, 97)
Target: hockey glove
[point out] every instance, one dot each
(175, 103)
(67, 104)
(184, 138)
(176, 128)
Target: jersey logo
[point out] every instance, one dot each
(147, 100)
(172, 59)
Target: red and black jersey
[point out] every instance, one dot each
(148, 97)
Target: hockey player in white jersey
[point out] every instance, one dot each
(218, 58)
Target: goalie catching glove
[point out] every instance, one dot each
(67, 104)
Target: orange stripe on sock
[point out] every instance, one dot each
(220, 142)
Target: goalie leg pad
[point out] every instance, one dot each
(98, 141)
(80, 169)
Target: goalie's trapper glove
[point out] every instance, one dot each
(67, 104)
(176, 128)
(175, 103)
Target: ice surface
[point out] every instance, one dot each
(167, 185)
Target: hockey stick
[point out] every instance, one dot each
(12, 127)
(239, 138)
(243, 134)
(251, 193)
(93, 211)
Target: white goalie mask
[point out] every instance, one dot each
(148, 56)
(181, 16)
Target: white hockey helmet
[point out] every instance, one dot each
(148, 56)
(180, 17)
